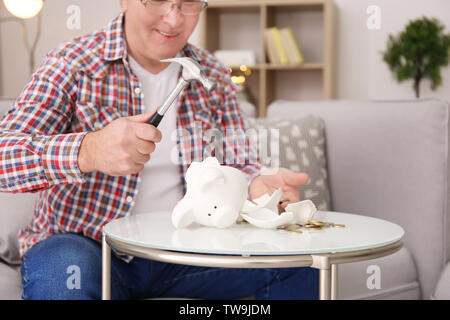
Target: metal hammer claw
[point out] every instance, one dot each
(192, 71)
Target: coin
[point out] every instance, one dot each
(296, 231)
(292, 227)
(318, 223)
(242, 222)
(314, 228)
(337, 225)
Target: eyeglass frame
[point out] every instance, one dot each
(179, 6)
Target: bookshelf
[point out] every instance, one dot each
(240, 24)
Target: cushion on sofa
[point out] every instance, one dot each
(389, 159)
(380, 278)
(10, 282)
(16, 211)
(297, 144)
(442, 291)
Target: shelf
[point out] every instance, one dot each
(240, 24)
(305, 66)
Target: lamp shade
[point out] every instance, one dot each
(24, 8)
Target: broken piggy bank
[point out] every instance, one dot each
(214, 195)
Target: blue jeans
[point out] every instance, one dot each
(69, 266)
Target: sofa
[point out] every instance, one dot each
(385, 159)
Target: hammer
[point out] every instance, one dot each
(192, 71)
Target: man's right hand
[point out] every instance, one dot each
(121, 148)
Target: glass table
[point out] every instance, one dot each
(152, 236)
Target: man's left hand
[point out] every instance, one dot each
(283, 178)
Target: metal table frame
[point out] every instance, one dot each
(327, 263)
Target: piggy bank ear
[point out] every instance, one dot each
(182, 215)
(211, 176)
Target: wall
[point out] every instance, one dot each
(95, 14)
(361, 74)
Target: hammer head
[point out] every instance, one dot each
(193, 71)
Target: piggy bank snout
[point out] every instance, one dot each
(224, 216)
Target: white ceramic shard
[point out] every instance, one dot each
(265, 201)
(214, 196)
(303, 211)
(266, 218)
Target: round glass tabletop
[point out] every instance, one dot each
(155, 230)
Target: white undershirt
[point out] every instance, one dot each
(160, 186)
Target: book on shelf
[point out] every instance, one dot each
(281, 51)
(292, 48)
(270, 47)
(282, 47)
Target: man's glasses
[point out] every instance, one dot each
(187, 7)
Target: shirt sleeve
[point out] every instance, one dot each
(37, 148)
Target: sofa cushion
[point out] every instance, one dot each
(389, 159)
(442, 291)
(16, 211)
(380, 279)
(301, 144)
(10, 282)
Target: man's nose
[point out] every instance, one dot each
(174, 18)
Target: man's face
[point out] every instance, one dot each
(154, 37)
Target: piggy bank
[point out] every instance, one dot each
(214, 195)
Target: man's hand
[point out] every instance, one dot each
(120, 148)
(285, 179)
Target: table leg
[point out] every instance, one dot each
(334, 282)
(325, 284)
(106, 270)
(322, 262)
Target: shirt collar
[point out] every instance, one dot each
(114, 47)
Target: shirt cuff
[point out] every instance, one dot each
(60, 158)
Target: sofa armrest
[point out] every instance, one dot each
(389, 159)
(442, 291)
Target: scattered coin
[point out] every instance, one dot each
(337, 225)
(314, 228)
(318, 223)
(242, 222)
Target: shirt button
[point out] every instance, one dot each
(137, 90)
(129, 199)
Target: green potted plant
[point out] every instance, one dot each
(419, 52)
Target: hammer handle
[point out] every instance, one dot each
(155, 119)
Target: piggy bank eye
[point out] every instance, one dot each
(215, 207)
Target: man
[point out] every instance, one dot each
(77, 134)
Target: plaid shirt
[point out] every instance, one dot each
(82, 86)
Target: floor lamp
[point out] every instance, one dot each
(21, 10)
